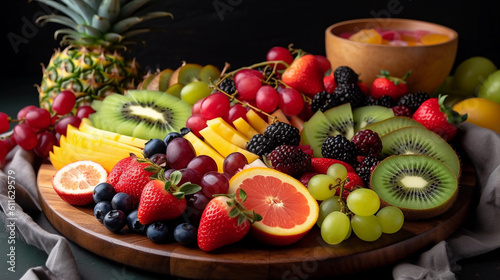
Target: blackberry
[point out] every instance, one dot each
(350, 93)
(282, 133)
(365, 168)
(290, 160)
(384, 100)
(340, 148)
(367, 142)
(413, 100)
(323, 101)
(401, 110)
(227, 85)
(260, 145)
(345, 75)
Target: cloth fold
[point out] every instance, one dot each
(475, 237)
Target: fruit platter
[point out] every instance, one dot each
(287, 167)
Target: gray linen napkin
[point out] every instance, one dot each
(482, 234)
(481, 145)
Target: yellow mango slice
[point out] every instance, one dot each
(256, 121)
(244, 128)
(229, 133)
(223, 146)
(86, 126)
(203, 148)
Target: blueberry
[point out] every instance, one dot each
(158, 232)
(154, 146)
(101, 209)
(185, 130)
(134, 224)
(171, 136)
(185, 234)
(122, 201)
(103, 192)
(115, 220)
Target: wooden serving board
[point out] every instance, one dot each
(310, 257)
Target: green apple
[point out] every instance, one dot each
(491, 87)
(470, 74)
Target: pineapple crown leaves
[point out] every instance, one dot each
(452, 116)
(396, 81)
(172, 184)
(238, 210)
(92, 23)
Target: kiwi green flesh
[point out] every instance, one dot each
(388, 125)
(143, 114)
(419, 140)
(341, 118)
(422, 186)
(189, 73)
(367, 115)
(209, 73)
(315, 131)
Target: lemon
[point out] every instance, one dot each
(481, 112)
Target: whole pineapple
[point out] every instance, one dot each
(97, 34)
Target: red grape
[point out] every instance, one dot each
(38, 118)
(203, 164)
(84, 111)
(22, 113)
(197, 202)
(4, 122)
(189, 175)
(62, 124)
(64, 102)
(46, 140)
(179, 153)
(234, 162)
(245, 73)
(214, 182)
(25, 136)
(247, 87)
(196, 123)
(279, 53)
(196, 109)
(235, 112)
(215, 105)
(267, 99)
(290, 101)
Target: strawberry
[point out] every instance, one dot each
(117, 171)
(224, 221)
(136, 174)
(387, 85)
(352, 182)
(163, 200)
(437, 117)
(323, 63)
(320, 165)
(329, 83)
(305, 75)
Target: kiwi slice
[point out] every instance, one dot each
(421, 186)
(420, 140)
(366, 115)
(341, 118)
(144, 114)
(385, 126)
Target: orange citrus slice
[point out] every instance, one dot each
(288, 210)
(75, 182)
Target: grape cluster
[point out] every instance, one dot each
(38, 129)
(359, 212)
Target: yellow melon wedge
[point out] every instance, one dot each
(256, 121)
(223, 146)
(80, 148)
(277, 115)
(229, 133)
(203, 148)
(55, 160)
(244, 127)
(86, 126)
(97, 143)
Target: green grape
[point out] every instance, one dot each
(470, 74)
(337, 171)
(321, 186)
(195, 91)
(391, 218)
(490, 89)
(363, 202)
(335, 228)
(367, 228)
(326, 207)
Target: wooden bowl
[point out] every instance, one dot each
(429, 64)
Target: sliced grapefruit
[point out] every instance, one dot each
(288, 210)
(75, 182)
